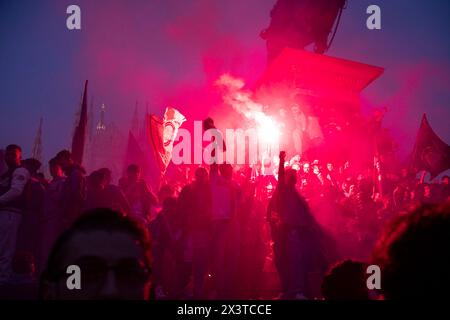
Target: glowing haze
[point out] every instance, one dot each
(171, 53)
(240, 100)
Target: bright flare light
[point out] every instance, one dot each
(268, 130)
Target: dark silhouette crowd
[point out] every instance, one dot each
(307, 230)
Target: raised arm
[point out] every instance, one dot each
(281, 168)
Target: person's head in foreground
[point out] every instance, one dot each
(346, 281)
(414, 254)
(133, 172)
(291, 177)
(55, 168)
(64, 158)
(113, 253)
(208, 123)
(201, 175)
(13, 155)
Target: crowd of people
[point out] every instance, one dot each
(304, 231)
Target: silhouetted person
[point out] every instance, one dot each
(30, 230)
(195, 203)
(113, 253)
(346, 280)
(52, 221)
(12, 205)
(74, 190)
(113, 194)
(294, 233)
(225, 199)
(161, 242)
(169, 245)
(413, 254)
(101, 194)
(23, 284)
(166, 191)
(138, 194)
(95, 197)
(208, 124)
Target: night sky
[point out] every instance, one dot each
(169, 51)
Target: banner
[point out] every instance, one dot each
(430, 152)
(79, 135)
(162, 134)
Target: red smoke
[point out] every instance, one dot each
(171, 52)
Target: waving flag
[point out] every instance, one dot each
(162, 134)
(430, 152)
(80, 131)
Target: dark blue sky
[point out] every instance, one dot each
(160, 50)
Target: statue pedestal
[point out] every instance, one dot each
(316, 95)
